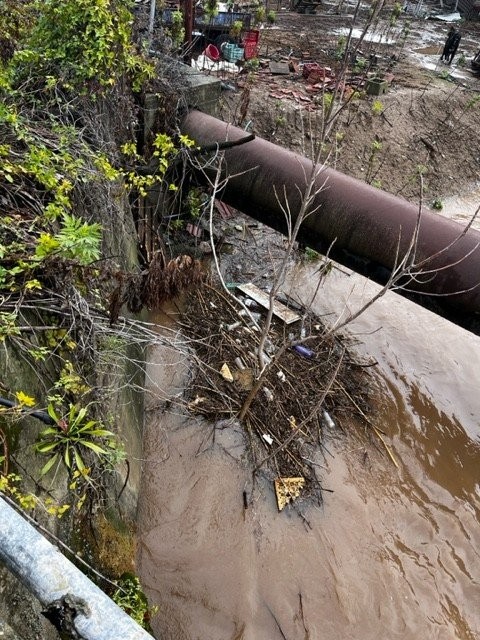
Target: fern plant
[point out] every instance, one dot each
(76, 240)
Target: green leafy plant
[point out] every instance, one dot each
(396, 13)
(340, 48)
(8, 486)
(437, 204)
(77, 41)
(375, 149)
(77, 240)
(176, 224)
(259, 15)
(327, 102)
(360, 64)
(397, 9)
(236, 29)
(70, 381)
(177, 30)
(71, 436)
(8, 325)
(311, 255)
(164, 151)
(15, 20)
(130, 597)
(377, 107)
(210, 8)
(474, 101)
(195, 202)
(271, 17)
(252, 65)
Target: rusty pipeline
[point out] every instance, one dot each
(358, 225)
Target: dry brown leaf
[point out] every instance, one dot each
(226, 373)
(244, 378)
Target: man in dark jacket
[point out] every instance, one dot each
(451, 45)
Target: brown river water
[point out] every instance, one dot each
(394, 552)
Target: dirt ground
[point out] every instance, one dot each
(426, 122)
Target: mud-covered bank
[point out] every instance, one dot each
(425, 123)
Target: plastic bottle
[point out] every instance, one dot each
(303, 351)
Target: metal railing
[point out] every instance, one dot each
(72, 602)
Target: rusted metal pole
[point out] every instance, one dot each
(188, 13)
(362, 225)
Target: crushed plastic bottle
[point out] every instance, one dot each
(303, 351)
(268, 394)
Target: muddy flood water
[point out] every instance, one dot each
(393, 553)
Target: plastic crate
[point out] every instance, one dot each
(251, 36)
(232, 53)
(251, 50)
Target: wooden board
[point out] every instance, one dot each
(280, 310)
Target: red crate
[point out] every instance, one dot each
(251, 36)
(251, 50)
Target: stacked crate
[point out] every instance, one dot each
(250, 43)
(231, 52)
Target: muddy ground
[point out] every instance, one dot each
(426, 122)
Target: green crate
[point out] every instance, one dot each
(232, 53)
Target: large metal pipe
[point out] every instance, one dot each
(361, 224)
(68, 595)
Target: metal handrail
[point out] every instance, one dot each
(72, 602)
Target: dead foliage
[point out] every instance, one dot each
(162, 281)
(286, 421)
(166, 279)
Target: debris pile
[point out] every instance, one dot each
(309, 386)
(303, 82)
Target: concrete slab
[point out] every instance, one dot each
(279, 68)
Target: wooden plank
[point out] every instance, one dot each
(280, 310)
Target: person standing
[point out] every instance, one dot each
(451, 45)
(455, 41)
